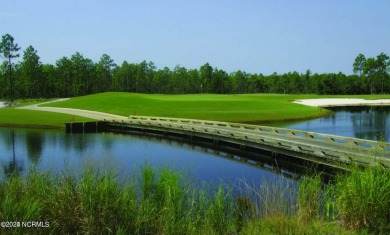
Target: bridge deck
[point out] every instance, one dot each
(327, 149)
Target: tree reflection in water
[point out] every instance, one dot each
(12, 167)
(371, 122)
(34, 142)
(364, 122)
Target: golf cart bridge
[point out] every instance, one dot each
(330, 150)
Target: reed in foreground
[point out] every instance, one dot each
(363, 199)
(159, 202)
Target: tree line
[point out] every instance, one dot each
(77, 75)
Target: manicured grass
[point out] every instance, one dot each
(11, 117)
(255, 108)
(247, 108)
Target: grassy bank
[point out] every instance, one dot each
(11, 117)
(162, 202)
(258, 108)
(247, 108)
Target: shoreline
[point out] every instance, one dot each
(30, 126)
(11, 121)
(339, 102)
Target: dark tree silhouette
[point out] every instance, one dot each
(8, 48)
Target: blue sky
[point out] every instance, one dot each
(254, 36)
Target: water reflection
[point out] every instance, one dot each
(13, 166)
(34, 142)
(371, 122)
(55, 152)
(366, 122)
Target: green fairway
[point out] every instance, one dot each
(11, 117)
(247, 108)
(251, 108)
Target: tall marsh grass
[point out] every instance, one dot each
(363, 199)
(164, 202)
(308, 200)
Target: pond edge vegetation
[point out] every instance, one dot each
(161, 201)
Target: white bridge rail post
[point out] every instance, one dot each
(322, 145)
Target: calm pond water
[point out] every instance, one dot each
(367, 122)
(55, 151)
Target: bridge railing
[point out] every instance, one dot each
(265, 129)
(274, 137)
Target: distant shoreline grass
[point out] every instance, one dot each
(10, 117)
(162, 202)
(19, 118)
(244, 108)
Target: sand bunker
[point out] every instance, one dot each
(331, 102)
